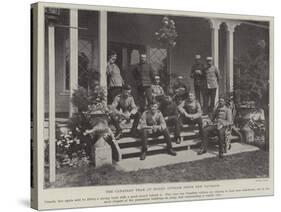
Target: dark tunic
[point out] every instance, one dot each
(143, 74)
(169, 110)
(198, 77)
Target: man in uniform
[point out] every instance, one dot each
(124, 108)
(191, 112)
(170, 112)
(153, 123)
(143, 74)
(222, 119)
(156, 89)
(114, 78)
(180, 90)
(212, 77)
(197, 75)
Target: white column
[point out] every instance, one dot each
(39, 80)
(215, 26)
(52, 105)
(103, 47)
(230, 54)
(73, 58)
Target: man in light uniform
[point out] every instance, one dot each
(212, 78)
(153, 123)
(222, 119)
(191, 112)
(124, 108)
(157, 90)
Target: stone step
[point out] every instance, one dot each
(133, 141)
(158, 148)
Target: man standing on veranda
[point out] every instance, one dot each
(198, 76)
(143, 75)
(114, 78)
(212, 78)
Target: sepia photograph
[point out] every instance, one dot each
(139, 98)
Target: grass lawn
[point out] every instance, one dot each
(244, 165)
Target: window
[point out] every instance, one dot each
(85, 55)
(157, 57)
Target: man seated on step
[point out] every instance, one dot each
(170, 112)
(156, 89)
(124, 108)
(152, 123)
(191, 112)
(222, 118)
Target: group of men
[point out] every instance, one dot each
(159, 112)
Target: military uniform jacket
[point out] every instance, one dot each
(157, 90)
(192, 108)
(180, 87)
(149, 119)
(170, 110)
(124, 105)
(223, 116)
(212, 76)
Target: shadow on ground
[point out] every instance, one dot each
(244, 165)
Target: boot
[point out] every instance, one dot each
(118, 134)
(143, 155)
(178, 140)
(172, 152)
(134, 132)
(201, 152)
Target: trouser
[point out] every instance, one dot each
(116, 121)
(198, 91)
(176, 124)
(145, 133)
(144, 95)
(205, 100)
(198, 121)
(211, 93)
(113, 92)
(211, 130)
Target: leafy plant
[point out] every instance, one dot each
(252, 82)
(167, 33)
(254, 75)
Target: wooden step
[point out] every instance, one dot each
(158, 148)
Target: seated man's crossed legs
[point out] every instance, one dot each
(116, 121)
